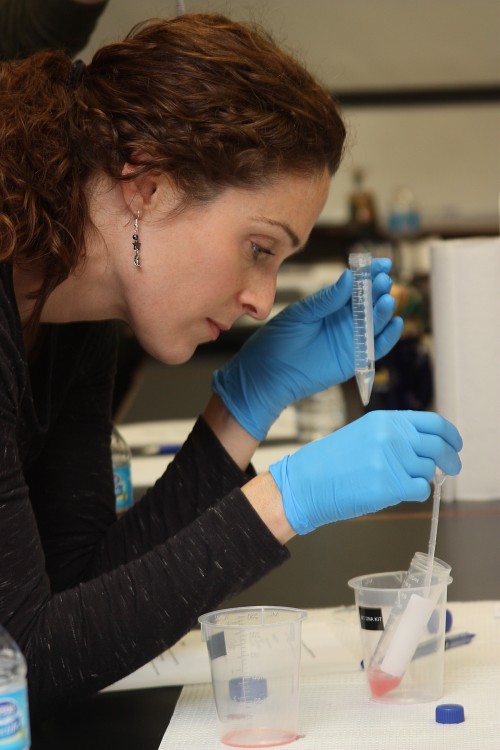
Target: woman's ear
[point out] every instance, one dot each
(140, 192)
(150, 192)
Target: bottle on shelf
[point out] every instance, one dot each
(121, 456)
(14, 712)
(362, 206)
(403, 224)
(404, 216)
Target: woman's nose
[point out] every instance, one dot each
(258, 299)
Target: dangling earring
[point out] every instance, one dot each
(135, 241)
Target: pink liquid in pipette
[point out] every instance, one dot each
(380, 682)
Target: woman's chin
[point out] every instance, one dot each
(173, 355)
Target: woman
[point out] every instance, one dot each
(163, 185)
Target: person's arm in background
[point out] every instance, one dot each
(27, 26)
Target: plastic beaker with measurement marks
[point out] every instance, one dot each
(410, 666)
(254, 657)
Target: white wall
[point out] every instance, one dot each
(449, 155)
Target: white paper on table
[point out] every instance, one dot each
(186, 663)
(327, 646)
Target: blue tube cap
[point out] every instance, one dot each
(449, 621)
(450, 713)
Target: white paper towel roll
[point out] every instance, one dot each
(465, 297)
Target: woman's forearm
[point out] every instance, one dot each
(236, 440)
(263, 494)
(262, 491)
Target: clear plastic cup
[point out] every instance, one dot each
(254, 657)
(402, 623)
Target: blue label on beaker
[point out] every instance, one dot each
(123, 487)
(216, 645)
(248, 689)
(14, 721)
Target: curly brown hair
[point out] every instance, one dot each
(211, 102)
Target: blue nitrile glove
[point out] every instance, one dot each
(302, 350)
(379, 460)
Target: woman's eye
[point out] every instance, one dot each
(258, 250)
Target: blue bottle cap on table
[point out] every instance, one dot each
(248, 689)
(433, 624)
(450, 713)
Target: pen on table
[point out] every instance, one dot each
(156, 449)
(460, 639)
(451, 641)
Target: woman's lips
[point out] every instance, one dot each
(216, 328)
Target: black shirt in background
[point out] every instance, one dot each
(27, 26)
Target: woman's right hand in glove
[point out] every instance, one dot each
(381, 459)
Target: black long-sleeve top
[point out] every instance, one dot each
(89, 597)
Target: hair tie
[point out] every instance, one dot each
(76, 74)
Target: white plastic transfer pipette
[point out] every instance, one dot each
(439, 478)
(362, 317)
